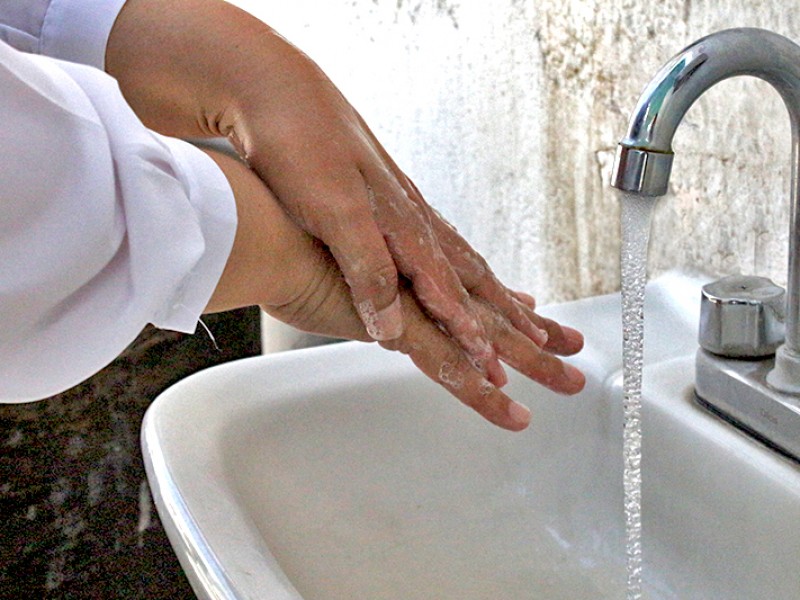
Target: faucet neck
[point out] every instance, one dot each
(681, 81)
(644, 157)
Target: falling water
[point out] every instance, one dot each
(636, 216)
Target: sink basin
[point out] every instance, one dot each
(340, 472)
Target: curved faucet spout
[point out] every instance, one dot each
(644, 157)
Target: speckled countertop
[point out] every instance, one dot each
(77, 516)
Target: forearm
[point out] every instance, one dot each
(203, 67)
(185, 67)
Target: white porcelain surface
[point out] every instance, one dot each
(340, 473)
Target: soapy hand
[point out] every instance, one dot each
(436, 355)
(313, 296)
(317, 155)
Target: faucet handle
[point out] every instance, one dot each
(742, 317)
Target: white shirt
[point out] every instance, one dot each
(105, 226)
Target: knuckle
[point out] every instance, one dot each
(383, 277)
(453, 372)
(371, 278)
(337, 213)
(346, 217)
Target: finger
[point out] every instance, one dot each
(517, 307)
(438, 356)
(324, 193)
(345, 223)
(475, 273)
(561, 340)
(477, 277)
(449, 303)
(419, 257)
(526, 357)
(371, 274)
(526, 299)
(491, 290)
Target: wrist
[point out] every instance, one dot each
(263, 242)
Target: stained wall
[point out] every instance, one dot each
(506, 114)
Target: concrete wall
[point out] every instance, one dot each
(506, 114)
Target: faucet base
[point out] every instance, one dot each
(737, 390)
(785, 377)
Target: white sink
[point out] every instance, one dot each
(342, 473)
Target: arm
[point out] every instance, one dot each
(186, 208)
(204, 67)
(313, 296)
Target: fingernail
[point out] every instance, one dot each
(519, 413)
(540, 336)
(386, 324)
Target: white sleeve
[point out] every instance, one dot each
(105, 226)
(73, 30)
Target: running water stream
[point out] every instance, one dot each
(637, 214)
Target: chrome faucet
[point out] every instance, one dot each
(758, 394)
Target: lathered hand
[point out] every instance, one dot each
(313, 296)
(204, 67)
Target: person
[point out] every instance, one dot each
(110, 221)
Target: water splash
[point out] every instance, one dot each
(637, 214)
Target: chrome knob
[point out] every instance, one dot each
(742, 317)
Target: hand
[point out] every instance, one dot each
(203, 67)
(313, 296)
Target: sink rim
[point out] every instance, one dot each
(202, 554)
